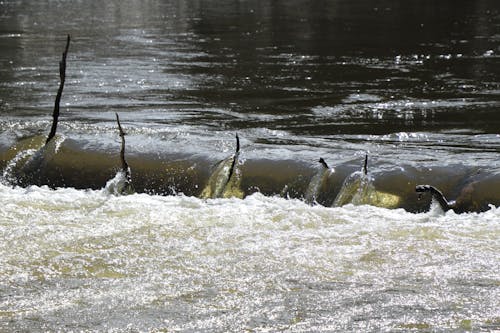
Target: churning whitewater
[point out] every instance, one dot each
(344, 110)
(89, 260)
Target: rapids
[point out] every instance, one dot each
(87, 260)
(281, 243)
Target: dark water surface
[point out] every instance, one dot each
(414, 85)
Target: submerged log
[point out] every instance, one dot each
(438, 196)
(62, 77)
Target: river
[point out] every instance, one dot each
(413, 86)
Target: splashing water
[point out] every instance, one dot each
(358, 189)
(119, 184)
(85, 260)
(27, 156)
(9, 173)
(220, 184)
(317, 184)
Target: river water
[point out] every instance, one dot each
(415, 86)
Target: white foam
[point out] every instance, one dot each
(141, 262)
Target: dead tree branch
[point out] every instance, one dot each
(235, 160)
(62, 76)
(125, 167)
(323, 163)
(365, 166)
(437, 195)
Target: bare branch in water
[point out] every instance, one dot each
(62, 77)
(125, 167)
(237, 144)
(437, 195)
(235, 160)
(365, 166)
(323, 163)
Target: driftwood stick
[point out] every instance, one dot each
(125, 167)
(437, 195)
(365, 166)
(235, 160)
(323, 163)
(62, 77)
